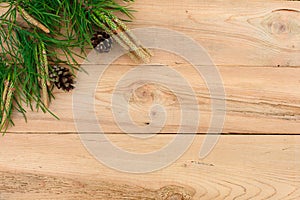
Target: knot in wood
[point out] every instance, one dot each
(282, 22)
(151, 93)
(144, 94)
(279, 27)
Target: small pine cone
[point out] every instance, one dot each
(102, 42)
(61, 77)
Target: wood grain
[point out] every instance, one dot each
(258, 100)
(263, 33)
(255, 46)
(51, 166)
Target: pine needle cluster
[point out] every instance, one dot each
(31, 32)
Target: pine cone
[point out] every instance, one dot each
(61, 77)
(102, 42)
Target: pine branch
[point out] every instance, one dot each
(31, 31)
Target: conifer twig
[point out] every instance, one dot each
(45, 64)
(44, 78)
(115, 37)
(115, 27)
(6, 84)
(131, 35)
(31, 20)
(45, 93)
(7, 104)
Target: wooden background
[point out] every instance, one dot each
(256, 47)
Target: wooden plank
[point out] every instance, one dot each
(52, 166)
(233, 32)
(264, 33)
(259, 100)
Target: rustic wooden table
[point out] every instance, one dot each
(255, 46)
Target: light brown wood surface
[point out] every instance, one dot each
(57, 166)
(256, 48)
